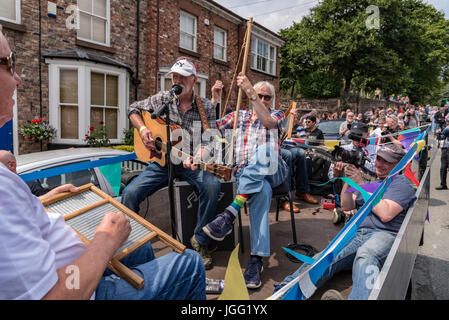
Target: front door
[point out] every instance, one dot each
(6, 137)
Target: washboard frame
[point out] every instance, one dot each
(105, 200)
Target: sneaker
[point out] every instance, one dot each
(332, 295)
(203, 252)
(441, 188)
(220, 227)
(252, 273)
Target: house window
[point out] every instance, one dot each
(94, 21)
(10, 10)
(263, 56)
(187, 33)
(104, 102)
(68, 104)
(84, 94)
(220, 44)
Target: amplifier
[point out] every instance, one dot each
(186, 211)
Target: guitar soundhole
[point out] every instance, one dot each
(158, 144)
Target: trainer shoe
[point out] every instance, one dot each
(220, 227)
(203, 252)
(252, 273)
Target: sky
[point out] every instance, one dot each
(278, 14)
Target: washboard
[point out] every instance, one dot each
(84, 210)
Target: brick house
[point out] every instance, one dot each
(75, 78)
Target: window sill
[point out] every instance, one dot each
(264, 73)
(94, 46)
(189, 52)
(223, 63)
(13, 26)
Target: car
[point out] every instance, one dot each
(34, 162)
(330, 128)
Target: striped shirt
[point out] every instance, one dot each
(190, 121)
(250, 135)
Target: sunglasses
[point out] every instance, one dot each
(10, 62)
(265, 96)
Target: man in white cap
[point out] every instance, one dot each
(185, 111)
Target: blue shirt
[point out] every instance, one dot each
(400, 191)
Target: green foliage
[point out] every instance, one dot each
(408, 53)
(37, 130)
(320, 85)
(128, 136)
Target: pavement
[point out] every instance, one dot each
(314, 227)
(430, 278)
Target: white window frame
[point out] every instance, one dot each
(18, 19)
(201, 79)
(255, 54)
(225, 47)
(84, 69)
(181, 32)
(108, 25)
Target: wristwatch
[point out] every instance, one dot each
(254, 97)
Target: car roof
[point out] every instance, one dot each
(44, 159)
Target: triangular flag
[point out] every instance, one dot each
(235, 286)
(411, 175)
(330, 144)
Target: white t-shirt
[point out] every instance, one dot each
(33, 243)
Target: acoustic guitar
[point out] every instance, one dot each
(159, 133)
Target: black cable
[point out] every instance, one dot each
(305, 249)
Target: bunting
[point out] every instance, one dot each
(304, 286)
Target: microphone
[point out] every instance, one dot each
(174, 92)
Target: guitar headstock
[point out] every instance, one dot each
(220, 171)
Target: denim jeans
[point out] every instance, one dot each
(170, 277)
(155, 177)
(265, 171)
(295, 156)
(365, 254)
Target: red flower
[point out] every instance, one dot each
(101, 123)
(91, 128)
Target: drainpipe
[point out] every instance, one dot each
(39, 63)
(157, 45)
(136, 80)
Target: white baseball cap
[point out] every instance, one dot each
(184, 66)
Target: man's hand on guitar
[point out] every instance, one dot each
(147, 139)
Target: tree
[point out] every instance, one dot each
(408, 53)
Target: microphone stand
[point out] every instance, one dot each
(166, 110)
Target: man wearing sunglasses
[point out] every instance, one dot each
(43, 258)
(258, 168)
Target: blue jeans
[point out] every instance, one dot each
(172, 276)
(265, 171)
(295, 156)
(365, 254)
(155, 177)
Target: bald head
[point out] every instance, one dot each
(8, 83)
(8, 159)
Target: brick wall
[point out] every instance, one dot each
(24, 40)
